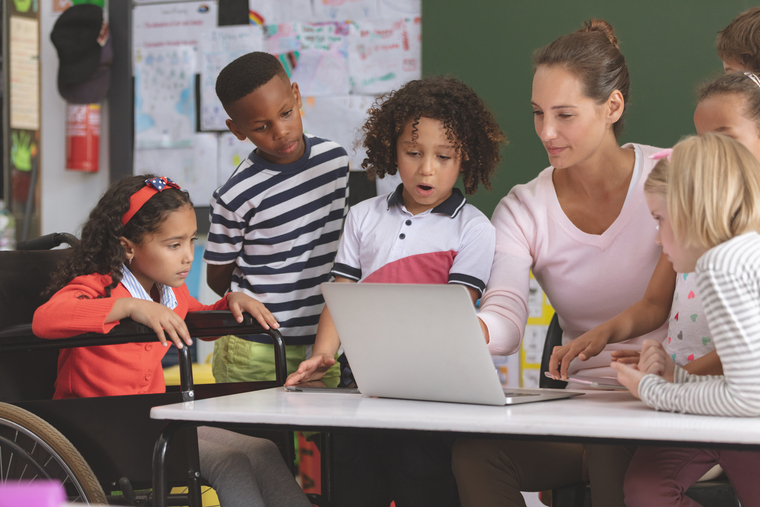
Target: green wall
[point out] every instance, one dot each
(668, 45)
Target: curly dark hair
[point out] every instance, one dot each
(469, 125)
(99, 250)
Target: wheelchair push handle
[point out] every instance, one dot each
(48, 241)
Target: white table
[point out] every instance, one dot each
(609, 416)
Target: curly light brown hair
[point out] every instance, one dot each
(470, 127)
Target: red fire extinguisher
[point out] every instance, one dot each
(82, 137)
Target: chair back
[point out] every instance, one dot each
(553, 339)
(24, 275)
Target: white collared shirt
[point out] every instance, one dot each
(383, 242)
(136, 290)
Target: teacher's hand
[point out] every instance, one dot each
(584, 347)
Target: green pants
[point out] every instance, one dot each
(237, 360)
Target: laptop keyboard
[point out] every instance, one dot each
(513, 394)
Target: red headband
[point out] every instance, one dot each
(151, 188)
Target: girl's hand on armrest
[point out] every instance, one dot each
(584, 347)
(159, 318)
(655, 360)
(239, 302)
(312, 369)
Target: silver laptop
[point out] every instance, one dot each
(420, 342)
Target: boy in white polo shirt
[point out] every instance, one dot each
(430, 131)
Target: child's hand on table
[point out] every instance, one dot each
(312, 369)
(239, 302)
(629, 376)
(584, 347)
(654, 359)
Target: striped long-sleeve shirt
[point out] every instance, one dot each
(728, 278)
(280, 224)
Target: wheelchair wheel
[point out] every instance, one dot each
(32, 449)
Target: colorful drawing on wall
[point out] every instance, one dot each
(171, 24)
(165, 97)
(23, 149)
(26, 7)
(281, 38)
(322, 66)
(216, 49)
(384, 54)
(255, 18)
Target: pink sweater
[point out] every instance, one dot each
(588, 278)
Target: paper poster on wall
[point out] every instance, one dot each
(165, 97)
(171, 24)
(194, 169)
(384, 54)
(232, 151)
(262, 12)
(399, 8)
(322, 64)
(341, 10)
(24, 52)
(339, 119)
(216, 49)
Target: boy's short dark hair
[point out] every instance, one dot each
(470, 127)
(245, 74)
(740, 40)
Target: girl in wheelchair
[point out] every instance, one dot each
(136, 250)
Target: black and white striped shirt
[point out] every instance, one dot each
(281, 224)
(728, 278)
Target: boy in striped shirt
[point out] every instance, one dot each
(276, 222)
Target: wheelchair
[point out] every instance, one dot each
(100, 449)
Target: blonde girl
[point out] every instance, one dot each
(706, 201)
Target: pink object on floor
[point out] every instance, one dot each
(32, 494)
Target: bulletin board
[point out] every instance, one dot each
(342, 53)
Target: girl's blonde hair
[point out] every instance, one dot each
(713, 189)
(657, 181)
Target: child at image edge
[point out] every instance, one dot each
(276, 222)
(705, 198)
(430, 131)
(739, 43)
(136, 250)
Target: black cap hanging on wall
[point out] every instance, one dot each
(84, 53)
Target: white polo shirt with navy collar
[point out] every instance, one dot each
(382, 242)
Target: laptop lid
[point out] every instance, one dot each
(412, 341)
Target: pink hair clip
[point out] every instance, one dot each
(666, 153)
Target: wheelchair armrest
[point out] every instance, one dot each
(218, 323)
(200, 325)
